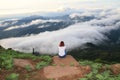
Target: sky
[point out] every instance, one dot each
(8, 7)
(92, 31)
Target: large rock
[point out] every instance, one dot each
(115, 68)
(65, 69)
(67, 61)
(85, 69)
(62, 73)
(23, 63)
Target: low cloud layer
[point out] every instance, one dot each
(34, 22)
(74, 36)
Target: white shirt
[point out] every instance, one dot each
(62, 51)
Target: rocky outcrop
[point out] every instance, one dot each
(65, 69)
(61, 69)
(23, 63)
(115, 68)
(67, 61)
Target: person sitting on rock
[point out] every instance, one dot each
(62, 48)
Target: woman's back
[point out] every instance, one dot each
(62, 48)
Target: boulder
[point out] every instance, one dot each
(85, 69)
(62, 72)
(67, 61)
(115, 68)
(23, 63)
(65, 69)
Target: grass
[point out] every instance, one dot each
(28, 68)
(6, 65)
(41, 64)
(71, 64)
(54, 65)
(12, 76)
(7, 56)
(95, 74)
(8, 69)
(62, 65)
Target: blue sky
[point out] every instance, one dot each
(28, 6)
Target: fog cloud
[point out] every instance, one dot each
(33, 22)
(74, 36)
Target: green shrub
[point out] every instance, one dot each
(41, 64)
(85, 62)
(27, 76)
(12, 76)
(6, 61)
(46, 58)
(95, 74)
(28, 68)
(117, 77)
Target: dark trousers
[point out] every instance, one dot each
(62, 56)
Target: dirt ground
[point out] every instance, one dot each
(60, 69)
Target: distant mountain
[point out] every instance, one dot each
(81, 29)
(37, 24)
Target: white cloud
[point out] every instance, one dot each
(4, 23)
(81, 14)
(74, 36)
(34, 22)
(47, 42)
